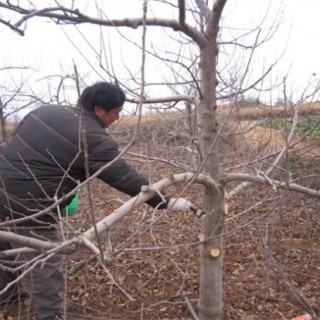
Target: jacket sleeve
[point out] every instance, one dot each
(120, 174)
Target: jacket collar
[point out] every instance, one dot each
(95, 117)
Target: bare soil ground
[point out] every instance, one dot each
(272, 245)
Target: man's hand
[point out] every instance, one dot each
(179, 204)
(184, 205)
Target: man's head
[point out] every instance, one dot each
(105, 100)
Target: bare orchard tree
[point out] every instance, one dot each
(196, 24)
(18, 98)
(12, 101)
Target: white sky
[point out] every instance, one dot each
(297, 35)
(45, 47)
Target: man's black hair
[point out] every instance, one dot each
(106, 95)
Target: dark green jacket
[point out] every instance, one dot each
(45, 158)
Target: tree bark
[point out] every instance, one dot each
(211, 304)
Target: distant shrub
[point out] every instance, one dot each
(308, 126)
(279, 124)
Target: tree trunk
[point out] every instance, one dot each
(211, 251)
(3, 131)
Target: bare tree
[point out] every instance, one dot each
(11, 103)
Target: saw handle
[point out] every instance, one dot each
(197, 211)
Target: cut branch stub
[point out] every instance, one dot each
(215, 252)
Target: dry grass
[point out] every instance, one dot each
(172, 126)
(164, 128)
(260, 111)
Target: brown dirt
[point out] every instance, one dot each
(271, 264)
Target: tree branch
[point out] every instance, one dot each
(145, 195)
(86, 237)
(13, 27)
(204, 9)
(263, 179)
(178, 98)
(182, 12)
(280, 156)
(213, 22)
(75, 17)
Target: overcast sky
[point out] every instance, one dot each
(46, 48)
(297, 34)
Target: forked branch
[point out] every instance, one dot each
(89, 235)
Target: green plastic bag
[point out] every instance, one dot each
(72, 208)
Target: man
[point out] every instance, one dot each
(45, 159)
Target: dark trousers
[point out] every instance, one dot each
(45, 279)
(7, 277)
